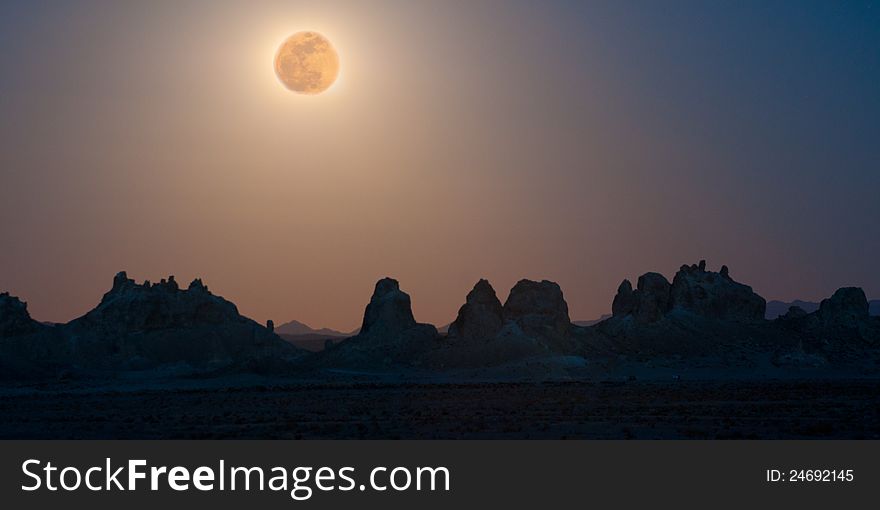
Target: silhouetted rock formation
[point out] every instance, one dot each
(709, 316)
(702, 318)
(144, 326)
(648, 303)
(715, 295)
(28, 349)
(624, 301)
(538, 307)
(794, 312)
(840, 331)
(776, 309)
(700, 314)
(654, 297)
(533, 323)
(695, 290)
(847, 306)
(130, 308)
(15, 319)
(536, 319)
(389, 311)
(481, 317)
(389, 335)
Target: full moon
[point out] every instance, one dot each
(306, 63)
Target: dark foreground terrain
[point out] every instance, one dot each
(817, 409)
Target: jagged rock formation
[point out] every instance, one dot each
(142, 326)
(15, 319)
(701, 313)
(532, 323)
(840, 330)
(145, 326)
(131, 308)
(481, 317)
(389, 335)
(648, 303)
(709, 316)
(693, 290)
(847, 306)
(715, 295)
(701, 318)
(777, 309)
(624, 301)
(389, 311)
(538, 307)
(27, 347)
(538, 312)
(654, 295)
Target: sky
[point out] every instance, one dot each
(580, 142)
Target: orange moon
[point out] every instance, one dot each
(307, 63)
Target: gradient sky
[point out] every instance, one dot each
(581, 142)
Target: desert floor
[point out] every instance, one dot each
(770, 409)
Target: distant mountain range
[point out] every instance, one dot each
(306, 337)
(311, 339)
(298, 328)
(778, 308)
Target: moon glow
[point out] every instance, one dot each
(307, 63)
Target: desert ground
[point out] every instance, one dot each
(609, 409)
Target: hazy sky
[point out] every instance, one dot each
(580, 142)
